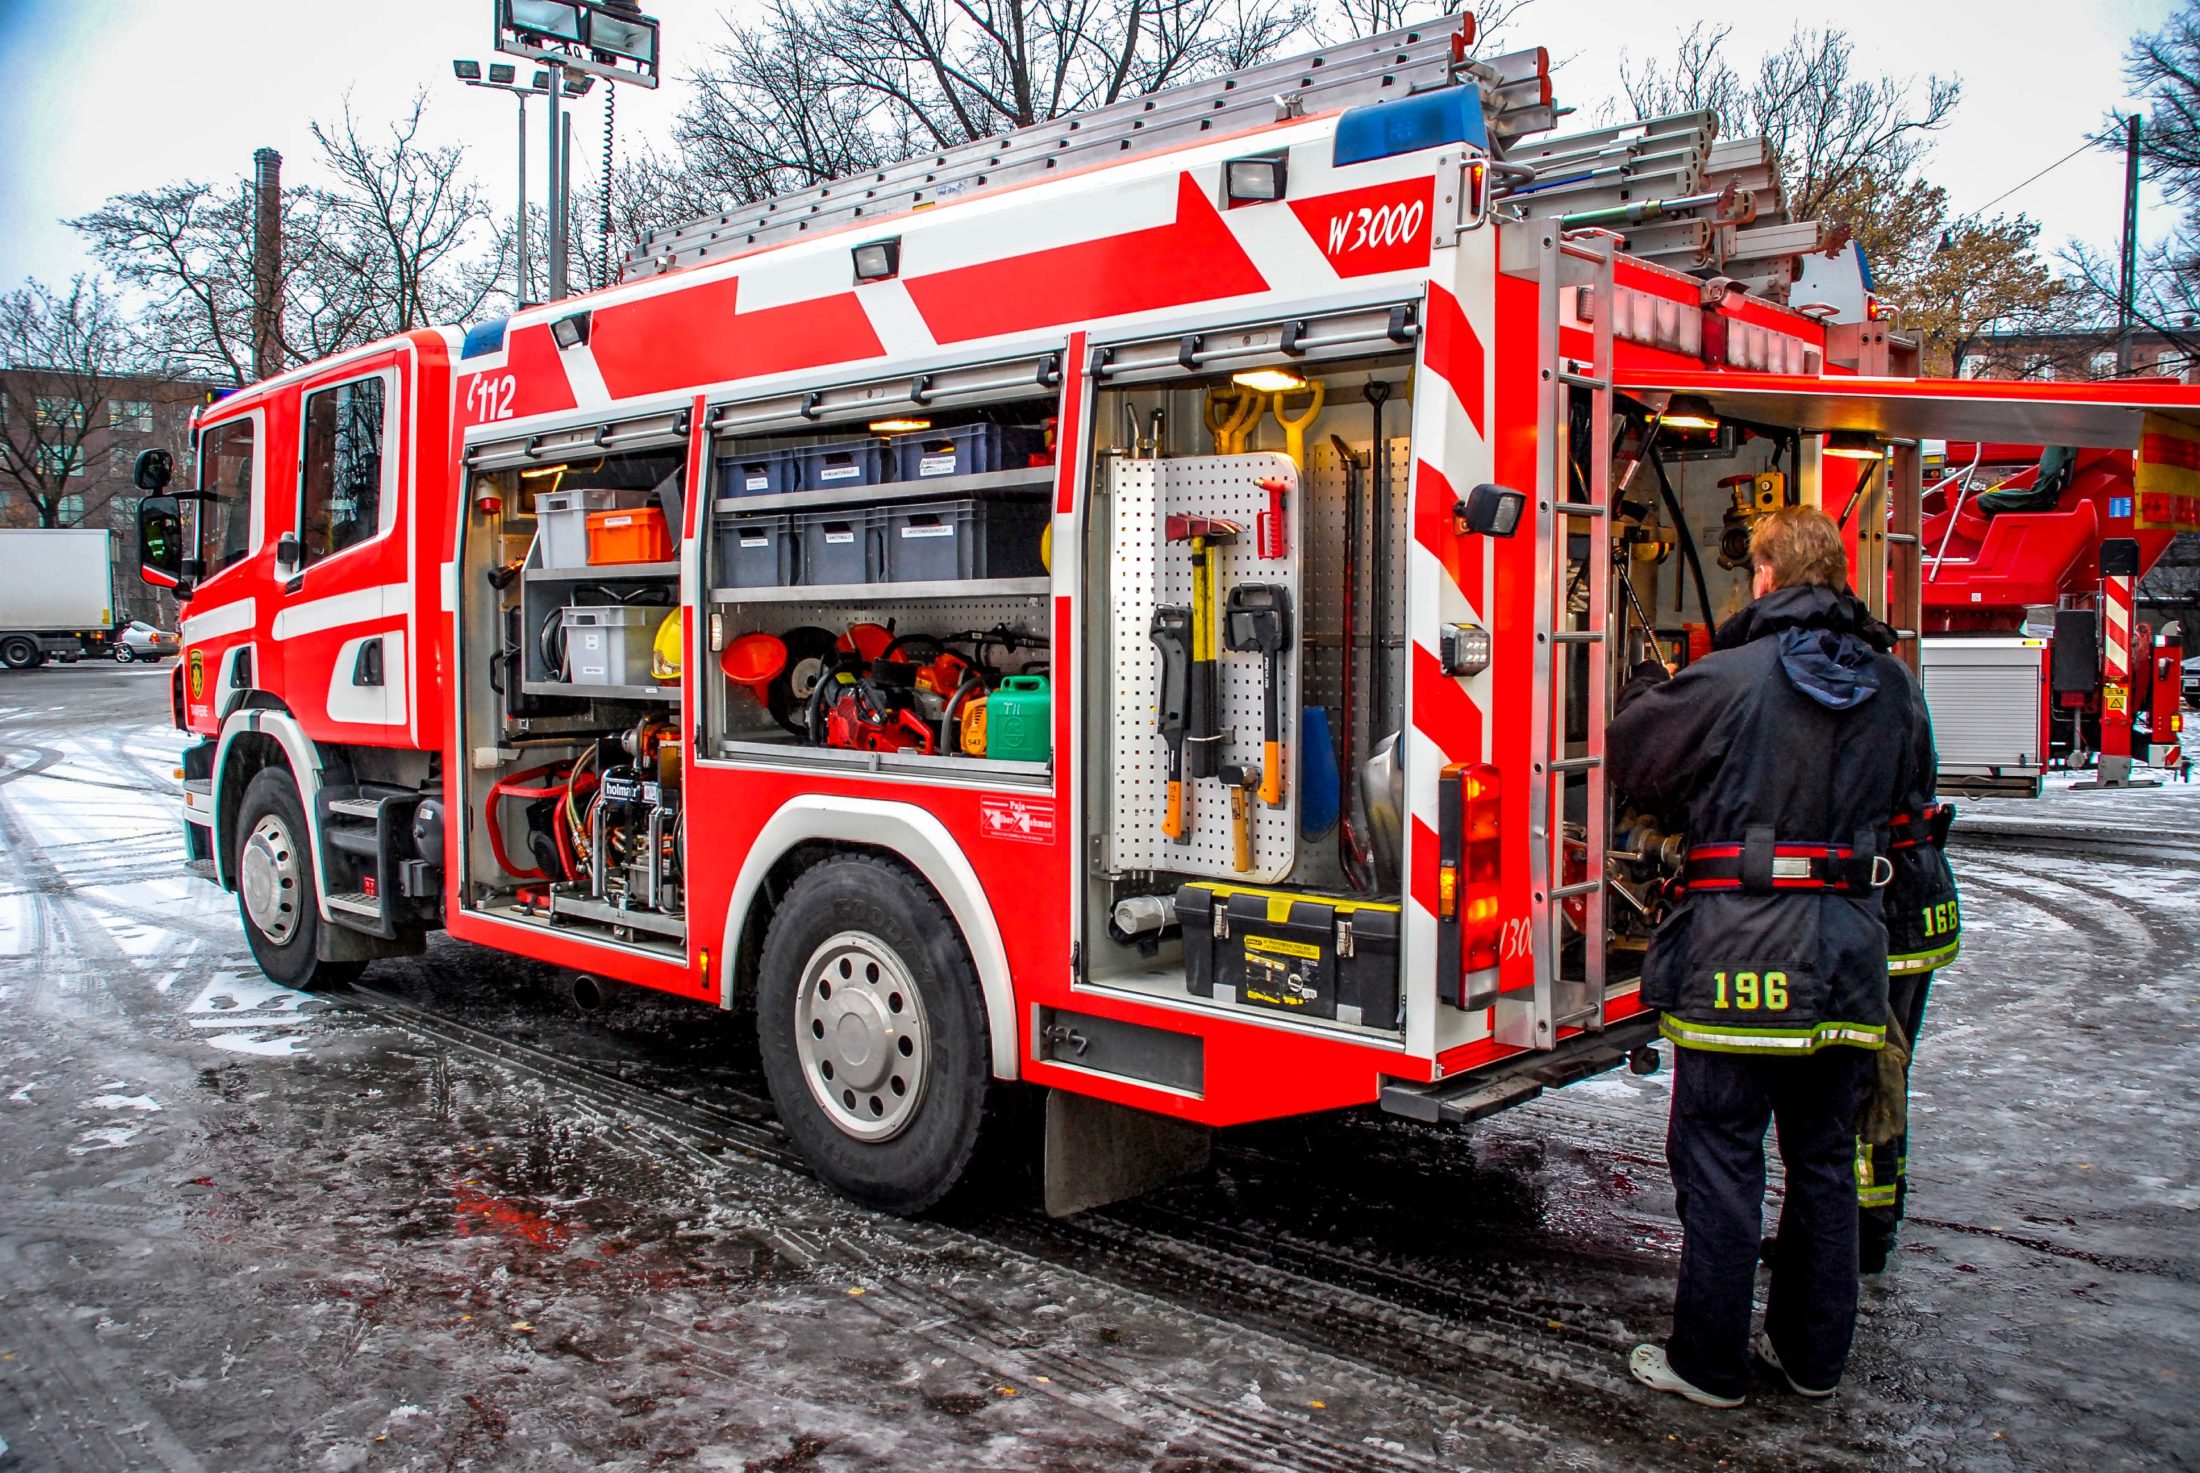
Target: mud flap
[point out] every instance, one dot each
(1098, 1152)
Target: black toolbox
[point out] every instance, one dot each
(1311, 955)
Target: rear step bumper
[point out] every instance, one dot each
(1518, 1080)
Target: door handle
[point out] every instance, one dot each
(367, 668)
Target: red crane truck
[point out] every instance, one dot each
(1129, 609)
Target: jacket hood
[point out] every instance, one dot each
(1827, 638)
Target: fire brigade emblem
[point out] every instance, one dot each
(198, 674)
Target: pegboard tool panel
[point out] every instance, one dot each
(1149, 571)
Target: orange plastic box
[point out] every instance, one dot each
(633, 535)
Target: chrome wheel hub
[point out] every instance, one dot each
(860, 1032)
(271, 877)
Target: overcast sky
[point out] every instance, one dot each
(103, 96)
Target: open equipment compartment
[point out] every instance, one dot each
(570, 799)
(875, 585)
(1287, 863)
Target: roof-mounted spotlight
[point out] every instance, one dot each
(570, 332)
(1255, 180)
(878, 260)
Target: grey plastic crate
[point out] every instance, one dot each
(970, 537)
(608, 644)
(847, 463)
(964, 450)
(839, 547)
(760, 473)
(561, 524)
(756, 552)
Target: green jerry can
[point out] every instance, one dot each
(1019, 720)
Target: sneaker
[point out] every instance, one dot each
(1771, 1357)
(1650, 1367)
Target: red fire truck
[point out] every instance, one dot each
(1129, 608)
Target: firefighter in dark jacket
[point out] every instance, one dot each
(1783, 756)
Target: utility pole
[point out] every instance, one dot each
(267, 255)
(2127, 294)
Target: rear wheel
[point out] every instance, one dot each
(873, 1034)
(276, 894)
(21, 652)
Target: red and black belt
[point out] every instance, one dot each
(1927, 825)
(1833, 867)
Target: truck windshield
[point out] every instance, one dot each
(224, 531)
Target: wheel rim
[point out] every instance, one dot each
(861, 1034)
(271, 879)
(123, 655)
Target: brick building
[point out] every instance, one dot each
(56, 439)
(2082, 353)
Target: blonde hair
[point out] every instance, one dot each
(1802, 547)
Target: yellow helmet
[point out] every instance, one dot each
(665, 651)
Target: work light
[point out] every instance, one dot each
(1254, 180)
(469, 71)
(878, 260)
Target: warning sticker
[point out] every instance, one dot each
(1029, 820)
(2112, 696)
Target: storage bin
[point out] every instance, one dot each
(633, 535)
(1019, 723)
(760, 473)
(755, 552)
(1289, 953)
(838, 547)
(848, 463)
(561, 524)
(963, 450)
(608, 644)
(969, 537)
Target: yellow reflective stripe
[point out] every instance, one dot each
(1925, 961)
(1728, 1040)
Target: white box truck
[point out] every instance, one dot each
(57, 594)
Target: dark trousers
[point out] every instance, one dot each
(1722, 1104)
(1882, 1171)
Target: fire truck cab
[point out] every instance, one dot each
(1138, 621)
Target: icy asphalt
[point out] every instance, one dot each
(446, 1222)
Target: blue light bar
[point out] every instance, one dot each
(1431, 120)
(483, 337)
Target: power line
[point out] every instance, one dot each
(2036, 178)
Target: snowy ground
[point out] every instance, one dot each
(444, 1222)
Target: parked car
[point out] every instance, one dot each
(138, 640)
(2192, 681)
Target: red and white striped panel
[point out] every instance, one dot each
(1447, 579)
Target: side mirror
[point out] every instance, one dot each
(154, 470)
(287, 550)
(160, 536)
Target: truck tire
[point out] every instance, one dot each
(873, 1034)
(277, 894)
(21, 652)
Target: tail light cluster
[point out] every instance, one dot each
(1469, 869)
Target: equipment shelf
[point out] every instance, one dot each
(975, 771)
(827, 593)
(1030, 478)
(667, 693)
(601, 572)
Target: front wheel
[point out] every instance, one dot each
(276, 894)
(873, 1034)
(124, 654)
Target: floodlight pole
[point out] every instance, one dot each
(557, 195)
(519, 297)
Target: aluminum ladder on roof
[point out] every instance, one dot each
(1515, 97)
(1567, 856)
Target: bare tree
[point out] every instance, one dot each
(1837, 131)
(821, 89)
(73, 362)
(398, 238)
(2164, 68)
(1492, 19)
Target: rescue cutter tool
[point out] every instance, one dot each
(1171, 631)
(1258, 621)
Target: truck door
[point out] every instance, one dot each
(343, 621)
